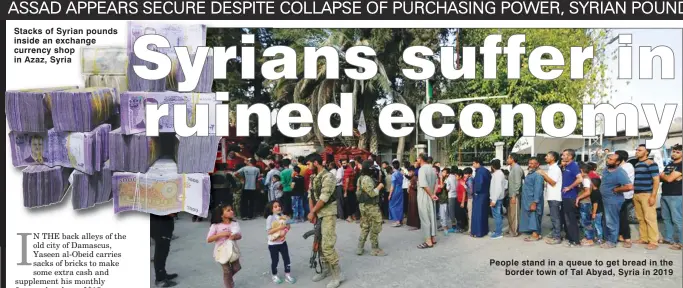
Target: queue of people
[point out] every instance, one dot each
(585, 208)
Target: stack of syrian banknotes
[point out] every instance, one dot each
(161, 191)
(43, 185)
(190, 36)
(30, 110)
(90, 190)
(105, 67)
(83, 151)
(205, 82)
(132, 153)
(137, 83)
(81, 110)
(133, 113)
(196, 154)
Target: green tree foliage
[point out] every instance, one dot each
(528, 89)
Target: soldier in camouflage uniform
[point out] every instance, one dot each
(370, 214)
(324, 208)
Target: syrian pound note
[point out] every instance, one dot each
(104, 60)
(193, 196)
(75, 149)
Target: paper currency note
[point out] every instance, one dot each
(161, 192)
(190, 36)
(104, 60)
(133, 109)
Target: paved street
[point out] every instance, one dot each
(456, 261)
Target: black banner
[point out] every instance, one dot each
(344, 10)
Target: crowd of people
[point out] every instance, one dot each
(586, 208)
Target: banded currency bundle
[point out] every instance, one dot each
(118, 82)
(30, 110)
(137, 83)
(133, 109)
(43, 185)
(81, 110)
(196, 154)
(205, 82)
(83, 151)
(90, 190)
(133, 153)
(190, 36)
(104, 60)
(161, 191)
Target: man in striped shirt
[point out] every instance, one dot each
(645, 186)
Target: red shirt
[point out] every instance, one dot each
(261, 165)
(307, 178)
(232, 163)
(461, 190)
(593, 175)
(350, 175)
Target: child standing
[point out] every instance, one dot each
(598, 210)
(277, 226)
(298, 195)
(442, 193)
(460, 208)
(583, 201)
(275, 188)
(452, 186)
(225, 228)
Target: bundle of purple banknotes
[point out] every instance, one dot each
(90, 190)
(81, 110)
(132, 153)
(83, 151)
(133, 112)
(43, 185)
(182, 36)
(196, 154)
(30, 110)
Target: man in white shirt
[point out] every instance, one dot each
(497, 195)
(624, 227)
(553, 179)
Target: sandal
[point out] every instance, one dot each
(676, 246)
(652, 247)
(640, 242)
(532, 239)
(662, 241)
(424, 246)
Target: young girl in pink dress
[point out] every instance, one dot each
(224, 228)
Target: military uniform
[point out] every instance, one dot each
(371, 216)
(322, 187)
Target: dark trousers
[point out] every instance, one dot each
(570, 217)
(461, 216)
(384, 203)
(247, 203)
(556, 218)
(405, 200)
(161, 230)
(624, 227)
(280, 249)
(339, 195)
(351, 205)
(286, 201)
